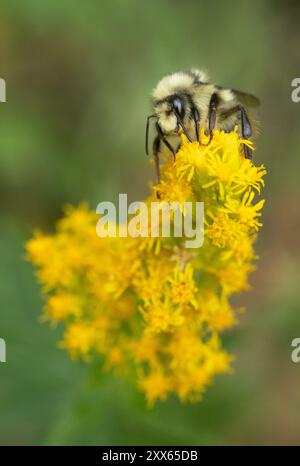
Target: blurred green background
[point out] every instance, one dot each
(79, 76)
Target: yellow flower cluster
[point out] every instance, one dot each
(149, 307)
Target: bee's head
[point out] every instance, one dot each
(173, 105)
(171, 113)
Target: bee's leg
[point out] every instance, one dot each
(178, 147)
(246, 131)
(156, 149)
(165, 141)
(212, 114)
(196, 118)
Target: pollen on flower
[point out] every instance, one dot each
(183, 287)
(149, 307)
(162, 316)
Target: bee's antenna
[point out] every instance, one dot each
(147, 132)
(180, 122)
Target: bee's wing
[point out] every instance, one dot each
(246, 99)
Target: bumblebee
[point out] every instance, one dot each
(184, 102)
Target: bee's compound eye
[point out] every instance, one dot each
(178, 107)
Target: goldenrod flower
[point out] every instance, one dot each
(149, 306)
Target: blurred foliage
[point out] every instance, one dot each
(79, 76)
